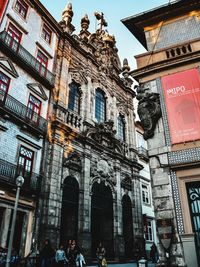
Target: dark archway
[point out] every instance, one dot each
(127, 220)
(69, 213)
(102, 218)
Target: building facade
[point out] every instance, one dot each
(169, 105)
(28, 39)
(148, 213)
(92, 186)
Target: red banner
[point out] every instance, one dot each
(2, 6)
(182, 100)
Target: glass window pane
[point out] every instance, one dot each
(100, 106)
(74, 97)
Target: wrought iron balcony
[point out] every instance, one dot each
(28, 61)
(9, 173)
(11, 106)
(142, 153)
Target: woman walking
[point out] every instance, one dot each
(60, 257)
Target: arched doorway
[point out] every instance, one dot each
(69, 213)
(127, 220)
(102, 218)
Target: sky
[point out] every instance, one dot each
(114, 11)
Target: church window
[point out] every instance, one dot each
(74, 97)
(121, 127)
(100, 106)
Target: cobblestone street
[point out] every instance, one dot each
(131, 264)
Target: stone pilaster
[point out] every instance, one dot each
(118, 230)
(84, 236)
(52, 195)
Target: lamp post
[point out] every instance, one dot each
(19, 183)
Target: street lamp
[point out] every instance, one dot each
(19, 183)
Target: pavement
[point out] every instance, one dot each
(131, 264)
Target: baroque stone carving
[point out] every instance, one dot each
(104, 135)
(103, 170)
(73, 161)
(78, 75)
(149, 110)
(126, 183)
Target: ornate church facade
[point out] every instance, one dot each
(91, 190)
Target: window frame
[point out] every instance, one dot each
(75, 96)
(22, 6)
(46, 31)
(149, 235)
(31, 111)
(7, 84)
(22, 168)
(42, 65)
(140, 140)
(3, 92)
(14, 33)
(121, 130)
(145, 194)
(100, 106)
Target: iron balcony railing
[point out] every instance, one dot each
(18, 50)
(9, 173)
(22, 112)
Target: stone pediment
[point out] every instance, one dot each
(104, 135)
(8, 66)
(38, 90)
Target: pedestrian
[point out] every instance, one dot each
(72, 254)
(60, 257)
(46, 255)
(154, 253)
(67, 248)
(80, 260)
(100, 253)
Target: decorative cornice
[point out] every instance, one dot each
(21, 138)
(165, 65)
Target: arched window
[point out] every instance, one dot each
(121, 127)
(100, 106)
(74, 97)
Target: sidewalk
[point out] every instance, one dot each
(132, 264)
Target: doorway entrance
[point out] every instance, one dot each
(127, 220)
(193, 191)
(102, 219)
(69, 213)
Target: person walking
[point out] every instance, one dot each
(80, 260)
(100, 253)
(60, 257)
(72, 254)
(46, 254)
